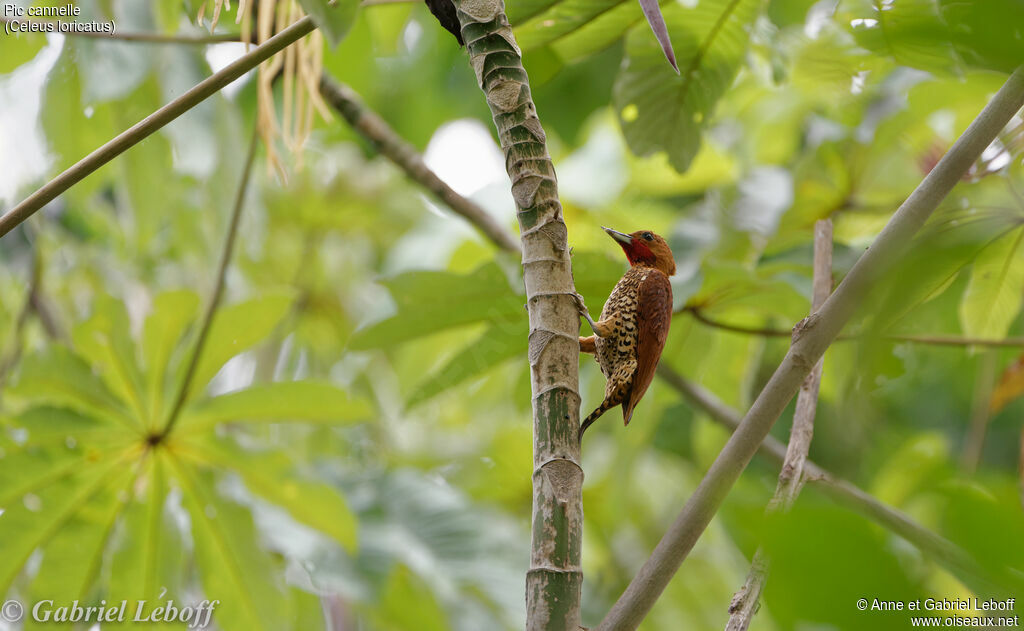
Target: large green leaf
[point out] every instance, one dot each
(233, 567)
(497, 344)
(662, 111)
(72, 560)
(236, 329)
(145, 560)
(274, 478)
(57, 377)
(105, 340)
(433, 301)
(19, 49)
(941, 35)
(561, 19)
(995, 291)
(33, 521)
(287, 400)
(161, 335)
(407, 603)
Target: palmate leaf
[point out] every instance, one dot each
(83, 484)
(660, 111)
(995, 291)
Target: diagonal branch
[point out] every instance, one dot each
(811, 338)
(138, 132)
(217, 293)
(791, 478)
(555, 578)
(375, 129)
(938, 548)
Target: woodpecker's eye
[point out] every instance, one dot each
(648, 236)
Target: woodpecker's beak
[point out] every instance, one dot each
(621, 237)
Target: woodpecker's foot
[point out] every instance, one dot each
(585, 314)
(587, 344)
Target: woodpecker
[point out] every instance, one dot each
(630, 335)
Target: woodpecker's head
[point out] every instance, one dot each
(643, 247)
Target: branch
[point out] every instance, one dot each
(395, 148)
(153, 122)
(150, 38)
(935, 340)
(216, 295)
(791, 478)
(936, 547)
(554, 581)
(811, 338)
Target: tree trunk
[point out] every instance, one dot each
(554, 580)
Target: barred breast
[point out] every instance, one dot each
(617, 353)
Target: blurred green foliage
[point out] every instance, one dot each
(356, 443)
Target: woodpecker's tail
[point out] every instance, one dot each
(606, 405)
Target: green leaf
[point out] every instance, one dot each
(407, 603)
(426, 301)
(941, 35)
(333, 17)
(31, 522)
(74, 128)
(561, 19)
(662, 111)
(72, 559)
(105, 340)
(19, 49)
(147, 555)
(236, 329)
(233, 567)
(164, 329)
(275, 402)
(271, 476)
(57, 377)
(497, 344)
(995, 291)
(522, 10)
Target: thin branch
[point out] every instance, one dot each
(791, 478)
(149, 38)
(811, 338)
(934, 340)
(935, 546)
(153, 122)
(375, 129)
(217, 293)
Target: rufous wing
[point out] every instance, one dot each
(654, 315)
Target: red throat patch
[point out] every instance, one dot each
(638, 252)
